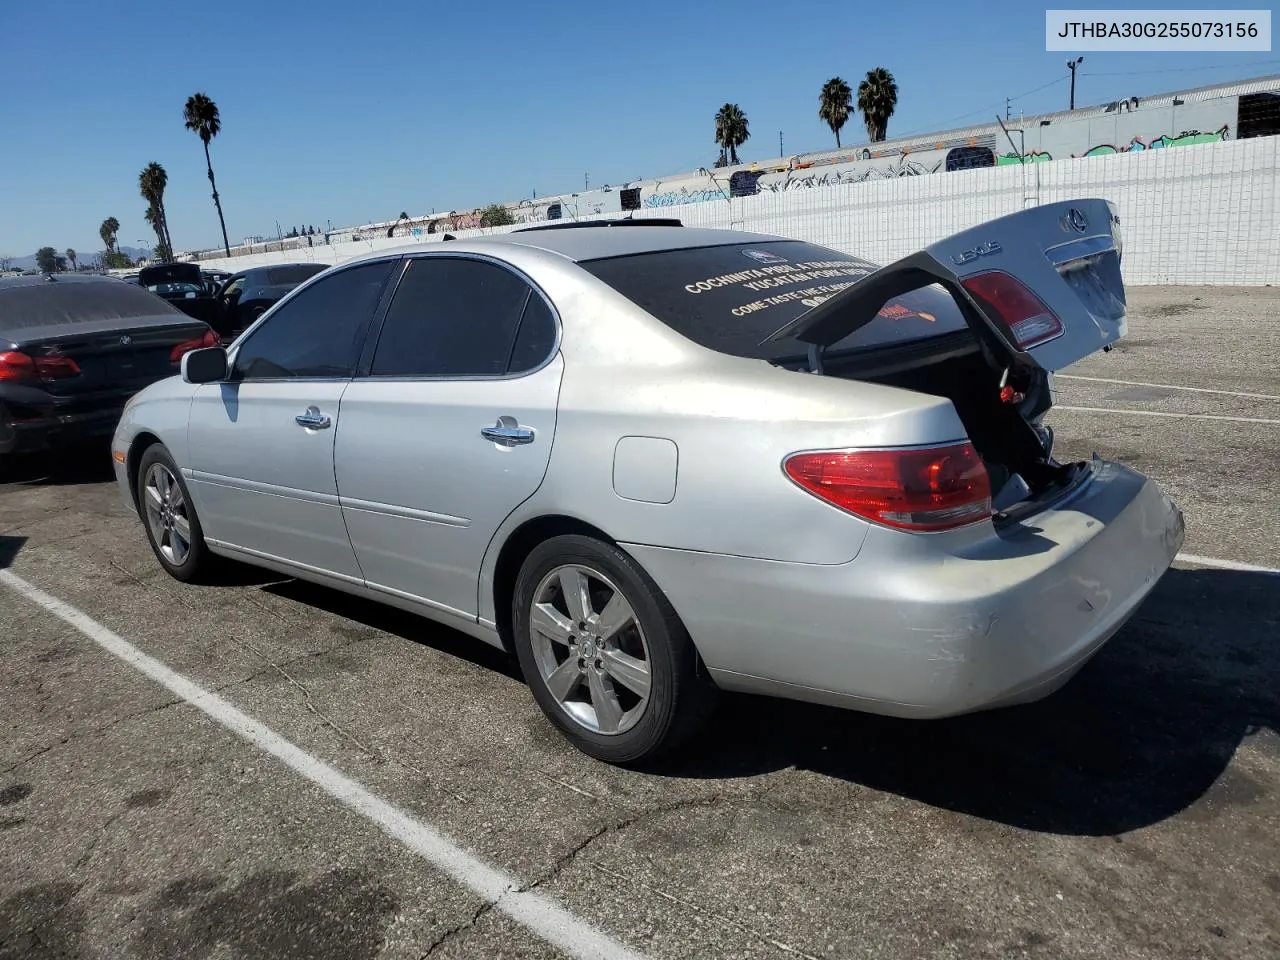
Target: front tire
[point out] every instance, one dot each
(604, 653)
(169, 516)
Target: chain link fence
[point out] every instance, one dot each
(1201, 214)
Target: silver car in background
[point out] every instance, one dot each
(654, 462)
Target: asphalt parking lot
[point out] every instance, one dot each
(1135, 814)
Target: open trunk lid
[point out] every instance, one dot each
(176, 272)
(1042, 288)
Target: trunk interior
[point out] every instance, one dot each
(1017, 453)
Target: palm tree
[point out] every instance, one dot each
(877, 96)
(201, 118)
(152, 182)
(834, 103)
(110, 227)
(731, 130)
(71, 255)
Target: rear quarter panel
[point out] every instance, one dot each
(732, 421)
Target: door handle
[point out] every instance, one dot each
(313, 419)
(508, 432)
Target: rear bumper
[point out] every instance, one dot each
(910, 629)
(28, 428)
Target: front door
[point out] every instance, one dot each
(261, 444)
(451, 430)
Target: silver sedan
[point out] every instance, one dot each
(655, 462)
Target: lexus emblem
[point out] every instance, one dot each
(126, 340)
(1075, 220)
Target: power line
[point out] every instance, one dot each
(1046, 86)
(1220, 66)
(981, 110)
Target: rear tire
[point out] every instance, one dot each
(169, 517)
(603, 652)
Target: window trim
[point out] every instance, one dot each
(375, 321)
(364, 369)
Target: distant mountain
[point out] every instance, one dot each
(85, 257)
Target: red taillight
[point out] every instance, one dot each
(1010, 302)
(936, 488)
(19, 366)
(210, 339)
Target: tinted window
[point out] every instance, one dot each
(536, 337)
(451, 317)
(277, 276)
(318, 333)
(730, 298)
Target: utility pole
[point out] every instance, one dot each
(586, 181)
(1008, 115)
(1071, 65)
(781, 152)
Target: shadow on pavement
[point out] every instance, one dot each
(1139, 735)
(81, 464)
(406, 625)
(9, 549)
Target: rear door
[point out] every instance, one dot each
(450, 430)
(261, 444)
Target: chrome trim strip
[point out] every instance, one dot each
(255, 486)
(402, 513)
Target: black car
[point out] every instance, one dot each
(74, 349)
(183, 285)
(216, 277)
(248, 294)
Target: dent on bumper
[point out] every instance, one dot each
(917, 635)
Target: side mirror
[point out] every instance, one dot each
(207, 365)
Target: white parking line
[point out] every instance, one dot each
(1163, 413)
(1228, 564)
(539, 914)
(1166, 386)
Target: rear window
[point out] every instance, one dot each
(278, 276)
(730, 298)
(77, 301)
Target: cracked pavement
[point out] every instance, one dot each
(1133, 815)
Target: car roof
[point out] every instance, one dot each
(42, 279)
(586, 244)
(264, 267)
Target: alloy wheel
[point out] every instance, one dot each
(590, 649)
(167, 516)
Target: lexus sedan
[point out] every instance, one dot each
(655, 462)
(74, 348)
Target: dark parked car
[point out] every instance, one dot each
(74, 349)
(248, 294)
(214, 279)
(183, 285)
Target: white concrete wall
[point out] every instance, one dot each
(1205, 214)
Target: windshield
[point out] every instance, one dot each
(731, 298)
(176, 289)
(33, 305)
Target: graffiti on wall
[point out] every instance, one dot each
(671, 198)
(1035, 156)
(905, 167)
(1186, 138)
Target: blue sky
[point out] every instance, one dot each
(351, 112)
